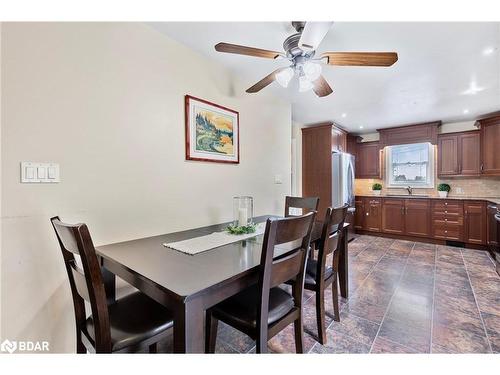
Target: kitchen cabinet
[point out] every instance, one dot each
(447, 220)
(359, 213)
(373, 214)
(417, 217)
(393, 215)
(368, 160)
(339, 139)
(459, 154)
(491, 227)
(475, 220)
(490, 141)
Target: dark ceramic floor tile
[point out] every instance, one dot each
(444, 289)
(424, 246)
(374, 296)
(492, 324)
(365, 310)
(238, 340)
(412, 336)
(423, 273)
(477, 258)
(438, 349)
(420, 287)
(222, 347)
(402, 244)
(338, 343)
(412, 308)
(284, 342)
(453, 259)
(383, 346)
(482, 272)
(309, 318)
(488, 302)
(359, 329)
(462, 338)
(384, 242)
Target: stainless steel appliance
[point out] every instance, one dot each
(343, 185)
(494, 234)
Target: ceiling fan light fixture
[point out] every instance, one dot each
(311, 70)
(285, 76)
(304, 84)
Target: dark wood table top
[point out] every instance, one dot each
(185, 274)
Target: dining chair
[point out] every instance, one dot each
(307, 204)
(132, 323)
(318, 275)
(263, 310)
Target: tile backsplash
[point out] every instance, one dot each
(476, 187)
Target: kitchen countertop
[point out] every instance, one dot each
(494, 200)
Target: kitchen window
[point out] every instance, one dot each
(410, 165)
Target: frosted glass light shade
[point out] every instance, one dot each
(284, 77)
(304, 84)
(311, 70)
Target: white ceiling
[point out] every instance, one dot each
(438, 63)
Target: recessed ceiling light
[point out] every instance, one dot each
(488, 51)
(361, 127)
(466, 111)
(344, 115)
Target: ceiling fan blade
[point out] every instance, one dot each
(313, 34)
(249, 51)
(266, 81)
(321, 87)
(361, 58)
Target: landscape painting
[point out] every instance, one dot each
(212, 132)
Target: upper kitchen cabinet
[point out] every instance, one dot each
(339, 139)
(459, 154)
(490, 141)
(368, 160)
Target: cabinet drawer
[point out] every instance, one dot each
(447, 230)
(449, 206)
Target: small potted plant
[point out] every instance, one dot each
(376, 188)
(443, 190)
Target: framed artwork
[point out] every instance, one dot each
(212, 132)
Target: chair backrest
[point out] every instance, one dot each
(86, 281)
(331, 235)
(307, 204)
(294, 235)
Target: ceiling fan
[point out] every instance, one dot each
(299, 50)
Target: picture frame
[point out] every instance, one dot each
(212, 132)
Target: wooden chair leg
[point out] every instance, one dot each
(153, 348)
(211, 327)
(299, 335)
(320, 315)
(261, 345)
(335, 296)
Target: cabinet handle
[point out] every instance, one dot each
(482, 167)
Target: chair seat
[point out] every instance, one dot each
(133, 319)
(241, 309)
(311, 270)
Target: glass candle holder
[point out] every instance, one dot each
(242, 211)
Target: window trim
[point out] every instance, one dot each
(430, 168)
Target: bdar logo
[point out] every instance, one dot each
(8, 346)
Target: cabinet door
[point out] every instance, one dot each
(393, 216)
(339, 140)
(448, 155)
(475, 222)
(490, 141)
(469, 154)
(359, 214)
(373, 217)
(491, 235)
(417, 217)
(368, 161)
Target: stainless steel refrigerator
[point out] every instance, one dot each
(343, 185)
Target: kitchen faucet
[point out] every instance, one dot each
(410, 190)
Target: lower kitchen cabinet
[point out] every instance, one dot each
(475, 221)
(373, 210)
(448, 220)
(393, 216)
(359, 213)
(417, 217)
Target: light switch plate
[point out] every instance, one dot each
(32, 172)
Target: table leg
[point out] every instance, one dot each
(344, 265)
(189, 333)
(109, 280)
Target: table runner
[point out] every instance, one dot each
(211, 241)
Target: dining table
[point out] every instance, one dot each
(188, 285)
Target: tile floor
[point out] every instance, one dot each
(405, 297)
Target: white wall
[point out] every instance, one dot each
(106, 101)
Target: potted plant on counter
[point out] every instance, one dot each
(376, 188)
(443, 190)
